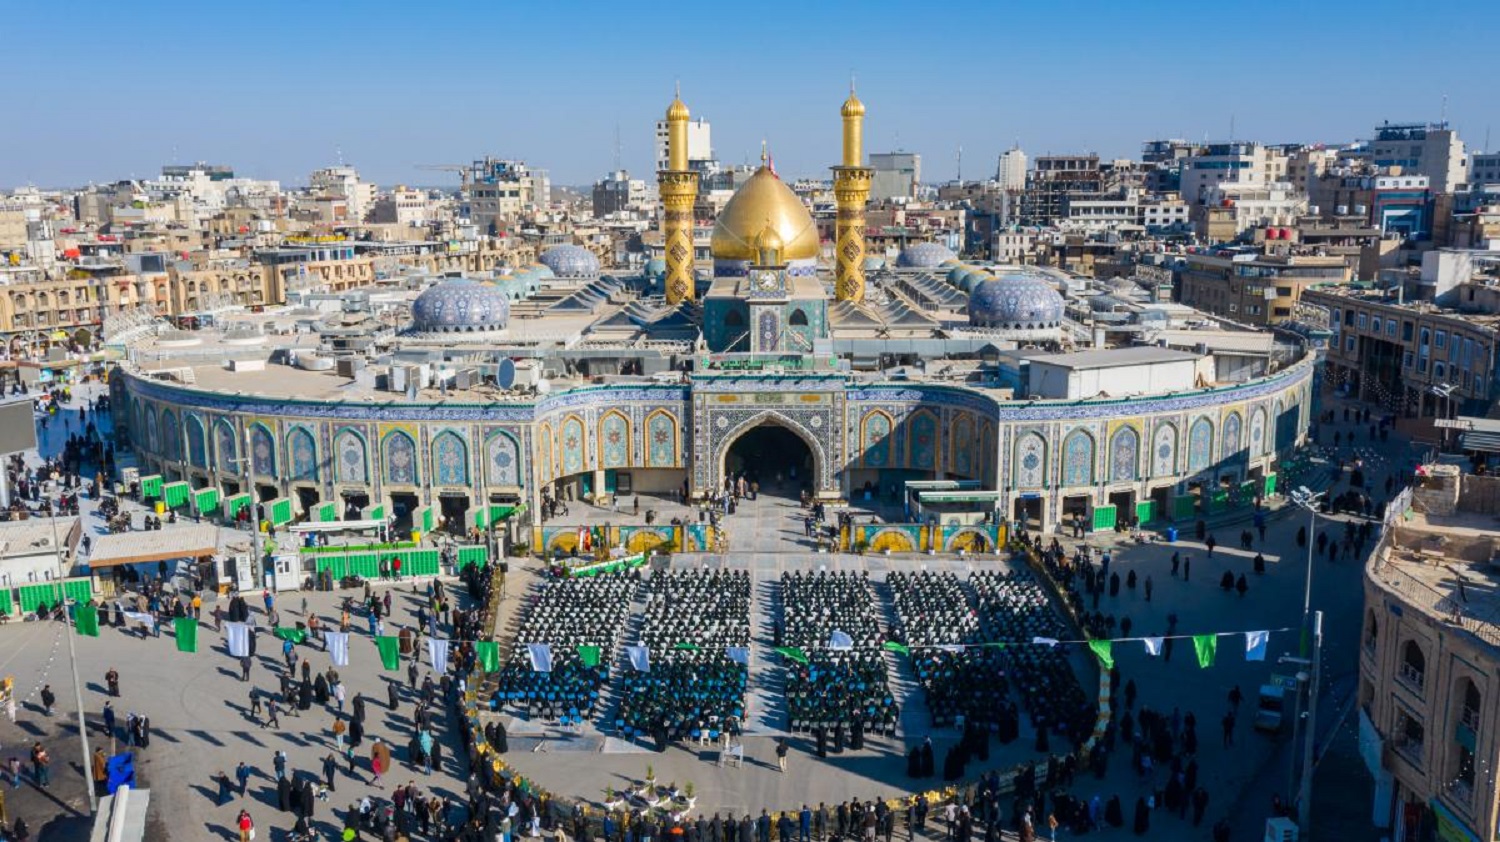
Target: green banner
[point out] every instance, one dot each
(1104, 650)
(589, 655)
(86, 620)
(293, 634)
(390, 651)
(792, 653)
(488, 653)
(893, 646)
(685, 647)
(1207, 647)
(186, 630)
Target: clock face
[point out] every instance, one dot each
(767, 280)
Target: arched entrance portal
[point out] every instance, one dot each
(774, 456)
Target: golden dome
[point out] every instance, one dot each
(853, 107)
(677, 110)
(764, 209)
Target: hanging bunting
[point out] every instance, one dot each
(1255, 645)
(1104, 650)
(1207, 646)
(338, 647)
(390, 651)
(1153, 646)
(589, 655)
(437, 653)
(488, 654)
(86, 620)
(185, 629)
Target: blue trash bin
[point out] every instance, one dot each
(1171, 534)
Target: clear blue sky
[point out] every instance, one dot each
(99, 91)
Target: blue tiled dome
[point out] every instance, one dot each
(924, 256)
(1015, 302)
(569, 261)
(460, 305)
(656, 268)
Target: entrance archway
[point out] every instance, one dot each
(774, 456)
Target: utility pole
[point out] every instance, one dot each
(1304, 794)
(257, 572)
(70, 621)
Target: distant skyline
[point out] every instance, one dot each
(108, 91)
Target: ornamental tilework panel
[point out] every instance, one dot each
(988, 449)
(614, 441)
(303, 454)
(227, 445)
(197, 443)
(572, 446)
(1164, 451)
(962, 459)
(1230, 437)
(661, 440)
(450, 459)
(1078, 459)
(1258, 432)
(1124, 455)
(1031, 461)
(502, 460)
(544, 444)
(875, 439)
(350, 458)
(770, 330)
(262, 452)
(1200, 445)
(171, 441)
(922, 441)
(400, 459)
(153, 433)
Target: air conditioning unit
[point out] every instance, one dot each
(1281, 830)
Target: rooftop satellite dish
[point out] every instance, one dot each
(543, 387)
(505, 374)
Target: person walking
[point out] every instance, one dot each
(48, 699)
(41, 762)
(278, 762)
(781, 750)
(255, 706)
(242, 774)
(245, 668)
(99, 766)
(112, 679)
(272, 720)
(1148, 587)
(226, 788)
(246, 826)
(330, 769)
(338, 733)
(109, 719)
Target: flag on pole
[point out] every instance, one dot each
(237, 636)
(291, 633)
(792, 653)
(338, 647)
(86, 620)
(893, 646)
(840, 640)
(488, 653)
(390, 651)
(1104, 650)
(541, 657)
(1255, 645)
(1207, 646)
(1044, 641)
(640, 658)
(1153, 646)
(186, 630)
(589, 655)
(738, 654)
(437, 653)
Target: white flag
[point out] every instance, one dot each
(1255, 645)
(953, 648)
(840, 640)
(541, 657)
(1044, 641)
(640, 658)
(738, 654)
(238, 637)
(437, 653)
(144, 617)
(338, 647)
(1153, 645)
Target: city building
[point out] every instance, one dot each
(1219, 164)
(1429, 656)
(1249, 286)
(402, 206)
(618, 193)
(1430, 149)
(341, 182)
(896, 176)
(1484, 168)
(1011, 170)
(501, 190)
(1053, 180)
(700, 146)
(1232, 208)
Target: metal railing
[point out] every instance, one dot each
(1483, 624)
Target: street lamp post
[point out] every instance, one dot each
(1444, 391)
(1312, 644)
(83, 734)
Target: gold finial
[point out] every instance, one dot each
(764, 156)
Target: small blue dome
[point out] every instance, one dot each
(570, 261)
(460, 305)
(873, 263)
(957, 272)
(1016, 302)
(924, 256)
(656, 268)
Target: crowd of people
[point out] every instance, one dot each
(693, 687)
(565, 614)
(838, 691)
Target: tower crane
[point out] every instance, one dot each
(463, 172)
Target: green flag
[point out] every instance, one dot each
(86, 620)
(1206, 645)
(186, 630)
(792, 653)
(893, 646)
(488, 653)
(997, 645)
(291, 633)
(589, 655)
(1104, 649)
(685, 647)
(390, 651)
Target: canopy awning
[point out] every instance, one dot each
(140, 547)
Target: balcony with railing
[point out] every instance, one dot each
(1412, 678)
(1410, 750)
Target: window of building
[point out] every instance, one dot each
(1406, 329)
(1375, 323)
(1254, 309)
(1283, 292)
(1349, 344)
(1282, 312)
(1349, 318)
(1363, 318)
(1440, 339)
(1390, 327)
(1437, 370)
(1422, 365)
(1409, 737)
(1426, 337)
(1372, 630)
(1406, 359)
(1413, 665)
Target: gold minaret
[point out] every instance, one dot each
(679, 191)
(851, 189)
